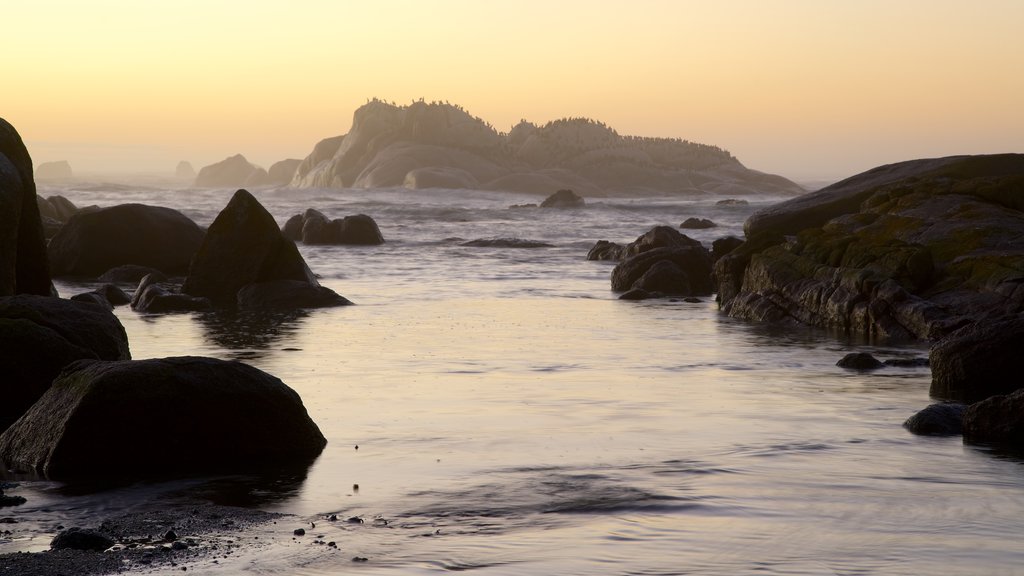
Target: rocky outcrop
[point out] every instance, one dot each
(438, 145)
(564, 199)
(697, 224)
(911, 250)
(231, 172)
(282, 172)
(40, 335)
(937, 420)
(95, 241)
(170, 416)
(661, 262)
(244, 246)
(157, 295)
(58, 170)
(313, 227)
(24, 268)
(978, 361)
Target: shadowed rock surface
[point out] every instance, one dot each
(313, 227)
(231, 172)
(910, 250)
(937, 420)
(697, 224)
(176, 416)
(978, 361)
(859, 361)
(95, 241)
(24, 268)
(997, 420)
(245, 246)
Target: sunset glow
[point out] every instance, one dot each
(807, 89)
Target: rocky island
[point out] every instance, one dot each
(440, 145)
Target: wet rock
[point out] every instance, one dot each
(299, 532)
(907, 362)
(564, 199)
(81, 539)
(859, 361)
(23, 261)
(674, 271)
(937, 420)
(657, 237)
(287, 294)
(93, 242)
(996, 420)
(640, 294)
(978, 361)
(506, 243)
(697, 224)
(243, 246)
(723, 246)
(106, 295)
(313, 227)
(248, 421)
(605, 250)
(732, 202)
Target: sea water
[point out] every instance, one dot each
(498, 409)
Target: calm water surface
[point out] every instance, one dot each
(513, 417)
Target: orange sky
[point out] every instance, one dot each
(802, 88)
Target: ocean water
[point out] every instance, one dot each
(499, 410)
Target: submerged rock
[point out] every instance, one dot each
(93, 242)
(168, 416)
(506, 243)
(937, 420)
(859, 361)
(564, 199)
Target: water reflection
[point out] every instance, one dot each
(249, 334)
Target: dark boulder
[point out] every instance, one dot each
(170, 416)
(81, 539)
(978, 361)
(723, 246)
(41, 335)
(127, 274)
(56, 170)
(243, 246)
(674, 271)
(657, 237)
(24, 268)
(106, 295)
(605, 250)
(937, 420)
(697, 224)
(93, 242)
(157, 295)
(313, 227)
(859, 361)
(506, 243)
(564, 199)
(996, 420)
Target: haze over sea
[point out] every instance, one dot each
(513, 417)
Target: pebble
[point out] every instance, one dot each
(355, 520)
(299, 532)
(359, 559)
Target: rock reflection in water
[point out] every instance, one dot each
(251, 333)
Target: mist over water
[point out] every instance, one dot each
(513, 417)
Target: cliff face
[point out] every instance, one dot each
(426, 145)
(909, 250)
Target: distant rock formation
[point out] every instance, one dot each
(185, 171)
(282, 172)
(59, 170)
(230, 173)
(564, 199)
(439, 145)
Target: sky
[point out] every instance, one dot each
(807, 89)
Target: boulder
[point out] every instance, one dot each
(978, 361)
(81, 539)
(937, 420)
(24, 268)
(723, 246)
(231, 172)
(697, 224)
(39, 336)
(605, 250)
(657, 237)
(106, 295)
(157, 295)
(95, 241)
(682, 271)
(287, 294)
(313, 227)
(564, 199)
(243, 246)
(907, 251)
(506, 243)
(996, 420)
(57, 170)
(162, 417)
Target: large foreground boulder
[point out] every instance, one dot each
(23, 264)
(95, 241)
(907, 251)
(170, 416)
(39, 336)
(244, 246)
